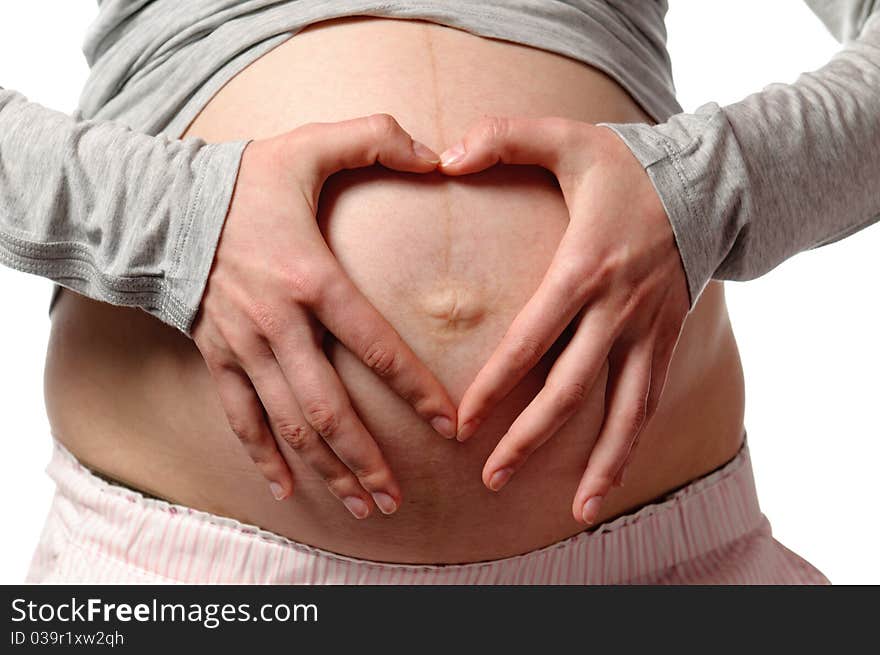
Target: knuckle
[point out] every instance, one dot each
(603, 272)
(492, 129)
(246, 432)
(306, 285)
(570, 395)
(259, 353)
(216, 356)
(517, 452)
(371, 479)
(526, 352)
(261, 457)
(415, 396)
(340, 485)
(265, 318)
(295, 435)
(381, 359)
(383, 126)
(323, 418)
(224, 366)
(632, 294)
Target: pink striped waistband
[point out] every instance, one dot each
(102, 532)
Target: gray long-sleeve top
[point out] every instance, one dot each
(793, 167)
(109, 203)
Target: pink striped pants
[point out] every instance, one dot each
(709, 532)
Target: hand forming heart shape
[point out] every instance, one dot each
(617, 275)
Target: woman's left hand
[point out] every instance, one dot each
(617, 272)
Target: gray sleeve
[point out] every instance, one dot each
(116, 215)
(793, 167)
(843, 18)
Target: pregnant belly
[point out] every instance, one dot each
(449, 262)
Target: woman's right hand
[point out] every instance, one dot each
(274, 288)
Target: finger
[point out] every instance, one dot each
(244, 411)
(327, 409)
(568, 385)
(353, 320)
(659, 370)
(629, 380)
(290, 427)
(495, 139)
(534, 330)
(363, 142)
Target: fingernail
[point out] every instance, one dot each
(467, 430)
(591, 510)
(356, 506)
(424, 152)
(384, 502)
(277, 490)
(499, 478)
(443, 426)
(453, 155)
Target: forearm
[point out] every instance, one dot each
(790, 168)
(118, 216)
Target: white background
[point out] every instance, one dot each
(807, 331)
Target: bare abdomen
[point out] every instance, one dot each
(448, 261)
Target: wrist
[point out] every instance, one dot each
(195, 241)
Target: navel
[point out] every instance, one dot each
(454, 307)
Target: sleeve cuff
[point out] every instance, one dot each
(196, 241)
(661, 160)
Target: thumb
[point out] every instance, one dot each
(493, 140)
(363, 142)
